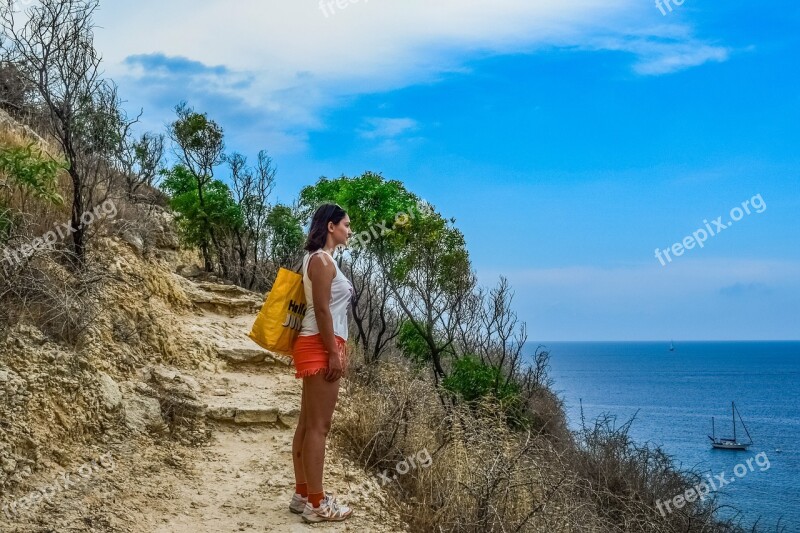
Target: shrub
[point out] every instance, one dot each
(31, 170)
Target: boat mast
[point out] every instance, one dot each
(744, 426)
(733, 416)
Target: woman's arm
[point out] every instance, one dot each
(321, 272)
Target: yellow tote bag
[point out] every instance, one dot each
(281, 317)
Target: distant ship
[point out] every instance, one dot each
(730, 444)
(671, 346)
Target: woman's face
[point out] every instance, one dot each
(341, 231)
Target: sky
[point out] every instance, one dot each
(571, 140)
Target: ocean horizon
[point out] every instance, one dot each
(673, 396)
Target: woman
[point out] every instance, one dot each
(320, 359)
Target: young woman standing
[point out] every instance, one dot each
(320, 358)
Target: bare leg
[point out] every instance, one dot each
(322, 396)
(297, 443)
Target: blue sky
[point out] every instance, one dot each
(569, 139)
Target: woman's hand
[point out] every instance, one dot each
(334, 371)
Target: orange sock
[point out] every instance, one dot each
(315, 498)
(301, 489)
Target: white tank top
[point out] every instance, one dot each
(341, 294)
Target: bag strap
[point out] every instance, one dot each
(300, 265)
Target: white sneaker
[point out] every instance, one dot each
(329, 510)
(298, 504)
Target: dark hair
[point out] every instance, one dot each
(318, 233)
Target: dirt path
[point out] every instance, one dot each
(239, 479)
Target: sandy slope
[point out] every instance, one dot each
(238, 478)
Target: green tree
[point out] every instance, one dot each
(472, 380)
(219, 213)
(406, 260)
(199, 144)
(431, 278)
(52, 49)
(373, 204)
(286, 236)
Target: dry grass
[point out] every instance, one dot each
(483, 476)
(486, 477)
(42, 292)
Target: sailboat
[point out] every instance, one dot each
(730, 444)
(671, 346)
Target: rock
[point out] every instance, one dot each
(164, 236)
(256, 416)
(136, 241)
(222, 414)
(142, 413)
(189, 271)
(110, 394)
(242, 355)
(220, 392)
(174, 383)
(9, 465)
(205, 365)
(221, 298)
(289, 417)
(145, 389)
(31, 334)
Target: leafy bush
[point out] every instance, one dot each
(25, 169)
(195, 218)
(411, 343)
(31, 170)
(473, 381)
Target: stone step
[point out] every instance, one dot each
(246, 355)
(254, 415)
(247, 397)
(221, 299)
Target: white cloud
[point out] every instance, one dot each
(287, 61)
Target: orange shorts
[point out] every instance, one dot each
(309, 355)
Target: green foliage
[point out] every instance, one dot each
(370, 200)
(28, 170)
(287, 234)
(411, 343)
(200, 139)
(426, 241)
(219, 212)
(434, 247)
(32, 171)
(473, 381)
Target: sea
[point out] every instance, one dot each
(673, 396)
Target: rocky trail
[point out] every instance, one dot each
(229, 468)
